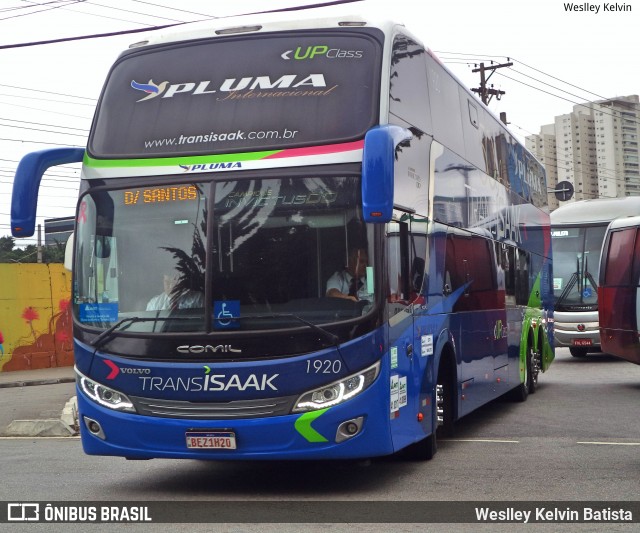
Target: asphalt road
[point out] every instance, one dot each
(577, 438)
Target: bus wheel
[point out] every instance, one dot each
(535, 360)
(578, 352)
(423, 450)
(444, 395)
(521, 392)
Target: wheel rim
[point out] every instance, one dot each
(535, 365)
(439, 405)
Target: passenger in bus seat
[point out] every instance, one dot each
(174, 298)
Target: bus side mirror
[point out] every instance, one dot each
(24, 199)
(378, 158)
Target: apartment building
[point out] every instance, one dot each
(595, 147)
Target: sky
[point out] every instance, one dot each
(48, 92)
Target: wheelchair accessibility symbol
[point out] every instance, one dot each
(225, 312)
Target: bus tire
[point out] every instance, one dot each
(535, 358)
(446, 375)
(425, 449)
(521, 392)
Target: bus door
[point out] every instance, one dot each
(406, 238)
(619, 294)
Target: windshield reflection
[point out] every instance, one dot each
(271, 247)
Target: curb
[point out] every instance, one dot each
(65, 426)
(28, 383)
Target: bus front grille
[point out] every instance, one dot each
(213, 410)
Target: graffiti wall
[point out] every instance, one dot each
(35, 316)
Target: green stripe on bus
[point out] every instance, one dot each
(176, 161)
(303, 426)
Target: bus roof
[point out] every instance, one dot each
(625, 222)
(596, 211)
(259, 23)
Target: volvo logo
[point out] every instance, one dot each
(207, 348)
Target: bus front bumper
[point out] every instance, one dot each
(576, 331)
(311, 435)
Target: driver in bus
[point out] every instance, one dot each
(174, 298)
(351, 283)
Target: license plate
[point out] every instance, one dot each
(582, 342)
(211, 440)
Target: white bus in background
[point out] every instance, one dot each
(577, 233)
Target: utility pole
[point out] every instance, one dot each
(39, 245)
(487, 93)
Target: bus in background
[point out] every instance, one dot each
(297, 239)
(577, 231)
(618, 291)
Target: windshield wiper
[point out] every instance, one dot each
(579, 279)
(575, 278)
(588, 274)
(333, 339)
(567, 289)
(125, 323)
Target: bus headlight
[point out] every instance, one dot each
(105, 396)
(338, 391)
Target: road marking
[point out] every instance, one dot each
(481, 440)
(611, 443)
(73, 437)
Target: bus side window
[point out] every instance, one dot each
(507, 257)
(408, 93)
(452, 278)
(522, 285)
(636, 261)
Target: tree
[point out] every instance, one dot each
(10, 254)
(7, 244)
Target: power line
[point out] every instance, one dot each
(83, 37)
(585, 103)
(42, 10)
(153, 28)
(89, 13)
(44, 131)
(172, 8)
(130, 11)
(48, 92)
(555, 78)
(39, 124)
(36, 142)
(46, 99)
(47, 110)
(17, 8)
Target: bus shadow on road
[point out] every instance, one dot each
(592, 357)
(268, 478)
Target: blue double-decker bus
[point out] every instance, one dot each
(297, 239)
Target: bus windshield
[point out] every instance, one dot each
(576, 265)
(247, 254)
